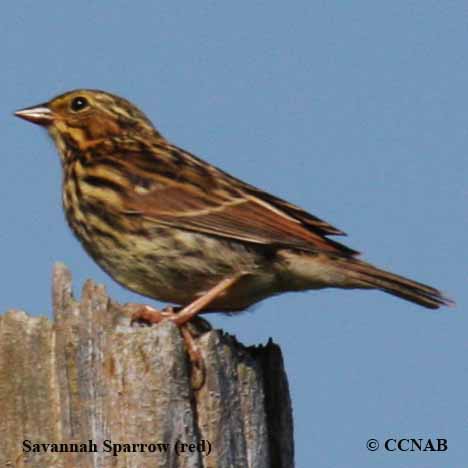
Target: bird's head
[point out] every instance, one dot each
(81, 117)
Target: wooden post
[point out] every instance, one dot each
(122, 395)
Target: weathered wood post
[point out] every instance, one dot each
(121, 394)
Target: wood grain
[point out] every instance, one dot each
(89, 377)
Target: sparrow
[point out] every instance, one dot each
(170, 226)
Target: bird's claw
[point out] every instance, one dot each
(189, 331)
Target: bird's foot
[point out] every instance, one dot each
(197, 363)
(189, 331)
(147, 314)
(183, 317)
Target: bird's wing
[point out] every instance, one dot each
(186, 193)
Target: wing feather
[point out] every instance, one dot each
(198, 197)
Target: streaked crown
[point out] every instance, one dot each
(82, 116)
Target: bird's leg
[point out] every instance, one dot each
(181, 319)
(187, 313)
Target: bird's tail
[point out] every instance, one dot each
(369, 276)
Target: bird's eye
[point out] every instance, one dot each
(79, 103)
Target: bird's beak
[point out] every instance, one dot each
(40, 114)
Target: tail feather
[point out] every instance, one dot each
(369, 276)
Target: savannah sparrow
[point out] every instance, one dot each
(170, 226)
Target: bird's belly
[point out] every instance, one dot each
(179, 266)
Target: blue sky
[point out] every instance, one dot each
(356, 111)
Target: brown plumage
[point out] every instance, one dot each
(170, 226)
